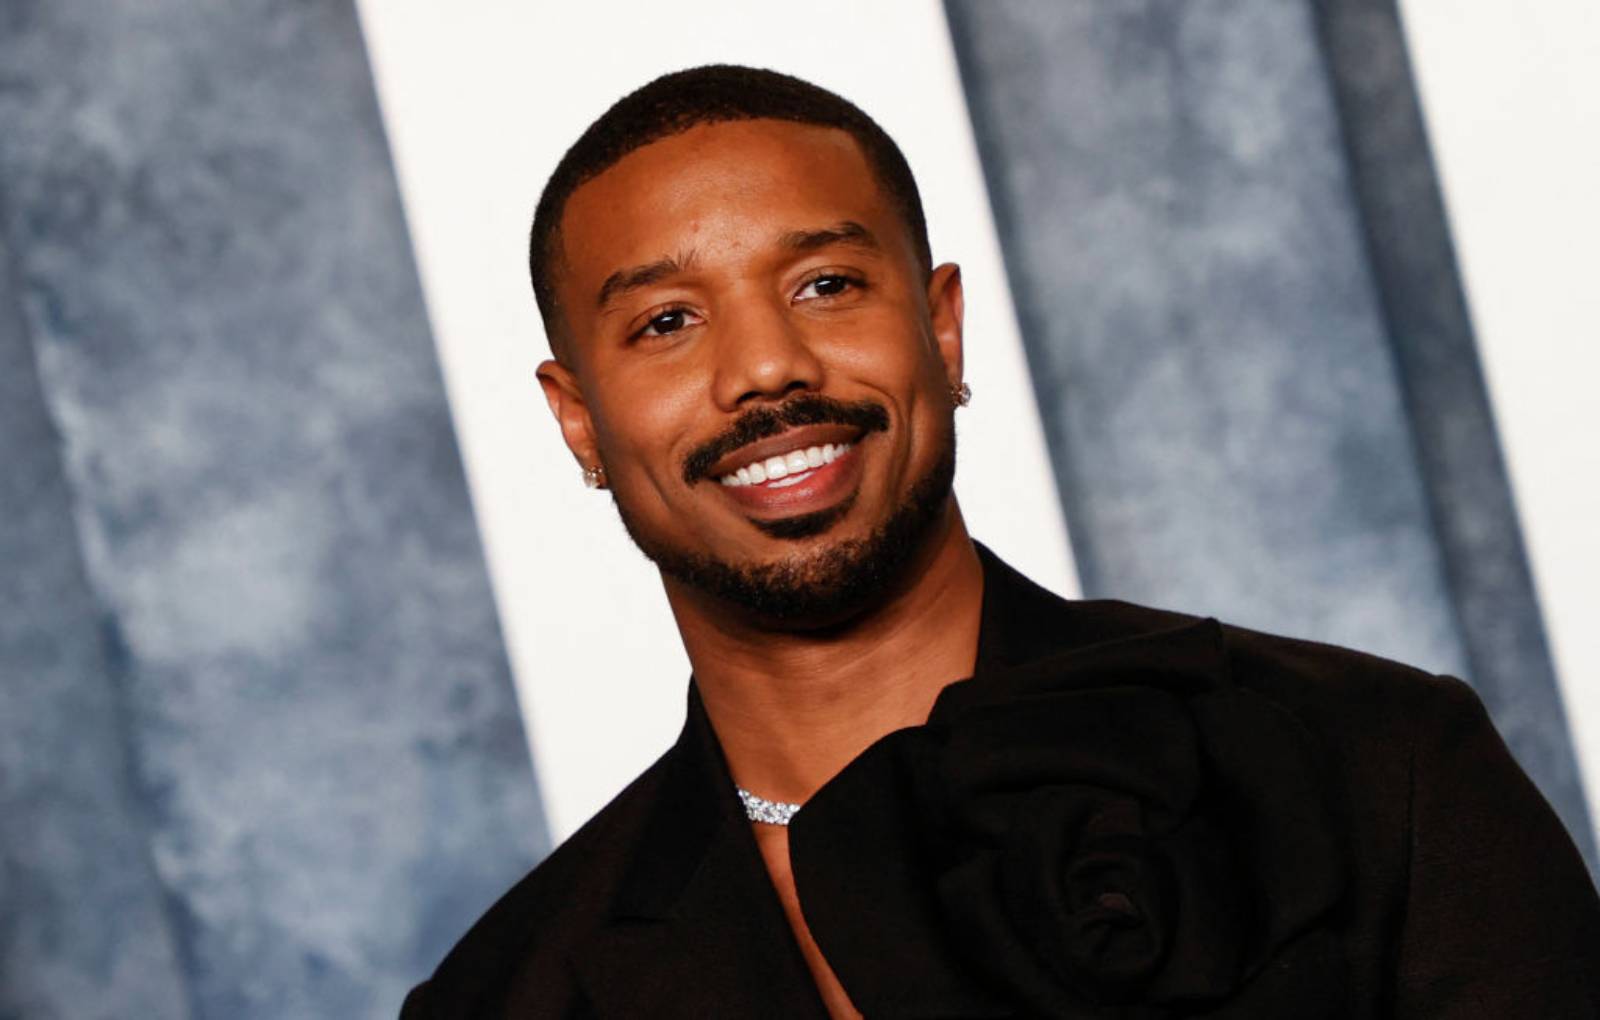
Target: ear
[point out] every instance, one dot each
(562, 393)
(946, 307)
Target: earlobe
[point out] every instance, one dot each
(946, 309)
(571, 411)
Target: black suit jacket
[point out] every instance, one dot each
(1459, 893)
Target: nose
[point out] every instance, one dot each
(762, 354)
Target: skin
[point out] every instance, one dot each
(734, 316)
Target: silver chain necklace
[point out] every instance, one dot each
(767, 812)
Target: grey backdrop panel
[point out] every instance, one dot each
(1458, 447)
(214, 272)
(1215, 361)
(83, 929)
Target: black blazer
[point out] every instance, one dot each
(1232, 825)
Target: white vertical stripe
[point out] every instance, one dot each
(480, 99)
(1512, 97)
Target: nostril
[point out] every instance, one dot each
(793, 386)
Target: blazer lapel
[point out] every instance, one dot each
(697, 929)
(1021, 621)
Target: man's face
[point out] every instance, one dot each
(759, 362)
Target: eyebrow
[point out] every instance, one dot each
(624, 280)
(845, 232)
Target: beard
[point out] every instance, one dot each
(826, 586)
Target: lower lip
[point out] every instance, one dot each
(817, 489)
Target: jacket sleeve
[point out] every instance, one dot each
(415, 1007)
(1501, 918)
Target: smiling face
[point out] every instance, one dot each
(761, 363)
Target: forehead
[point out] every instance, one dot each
(720, 184)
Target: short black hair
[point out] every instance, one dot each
(676, 102)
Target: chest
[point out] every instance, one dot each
(773, 842)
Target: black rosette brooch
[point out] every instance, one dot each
(1119, 832)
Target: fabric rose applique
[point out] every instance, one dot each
(1116, 832)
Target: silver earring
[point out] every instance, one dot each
(961, 393)
(594, 477)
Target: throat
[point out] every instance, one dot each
(792, 709)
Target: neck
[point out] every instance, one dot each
(791, 709)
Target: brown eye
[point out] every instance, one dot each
(669, 321)
(829, 285)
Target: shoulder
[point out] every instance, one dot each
(1452, 857)
(1377, 720)
(553, 908)
(1376, 724)
(1344, 695)
(1382, 725)
(1347, 693)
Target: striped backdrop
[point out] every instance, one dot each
(311, 641)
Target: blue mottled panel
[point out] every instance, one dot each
(1214, 363)
(1209, 354)
(213, 264)
(83, 929)
(1458, 447)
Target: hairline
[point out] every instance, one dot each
(554, 255)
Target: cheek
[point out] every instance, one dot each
(886, 348)
(638, 423)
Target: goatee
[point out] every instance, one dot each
(826, 587)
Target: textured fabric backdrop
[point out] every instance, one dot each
(1234, 276)
(260, 752)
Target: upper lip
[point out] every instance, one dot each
(794, 439)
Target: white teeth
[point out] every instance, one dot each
(793, 463)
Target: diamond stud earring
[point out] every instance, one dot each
(594, 477)
(961, 393)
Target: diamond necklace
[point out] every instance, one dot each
(767, 812)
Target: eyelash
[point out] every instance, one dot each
(642, 331)
(852, 283)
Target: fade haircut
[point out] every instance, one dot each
(676, 102)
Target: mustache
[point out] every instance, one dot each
(761, 422)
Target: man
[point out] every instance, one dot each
(1122, 813)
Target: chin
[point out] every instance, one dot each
(827, 579)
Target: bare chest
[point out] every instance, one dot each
(773, 840)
